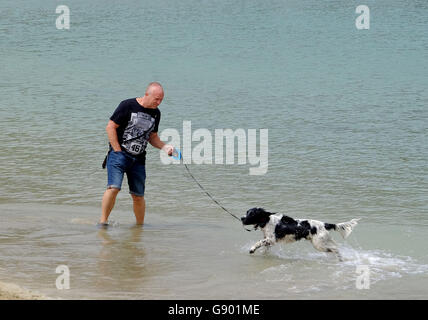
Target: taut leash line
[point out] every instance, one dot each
(212, 198)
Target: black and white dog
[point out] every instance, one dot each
(278, 227)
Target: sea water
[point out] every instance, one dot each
(347, 114)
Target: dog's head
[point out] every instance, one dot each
(257, 217)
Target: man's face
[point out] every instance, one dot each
(154, 98)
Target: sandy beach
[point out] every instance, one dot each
(10, 291)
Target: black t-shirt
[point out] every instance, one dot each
(135, 125)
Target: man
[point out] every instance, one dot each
(134, 123)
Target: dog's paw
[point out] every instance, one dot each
(252, 251)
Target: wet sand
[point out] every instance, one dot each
(10, 291)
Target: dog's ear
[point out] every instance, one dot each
(267, 213)
(263, 218)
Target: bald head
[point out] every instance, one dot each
(154, 87)
(153, 96)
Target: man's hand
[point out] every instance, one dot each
(169, 149)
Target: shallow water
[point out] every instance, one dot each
(198, 258)
(347, 113)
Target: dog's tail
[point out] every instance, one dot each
(344, 228)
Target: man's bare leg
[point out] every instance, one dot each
(139, 208)
(109, 198)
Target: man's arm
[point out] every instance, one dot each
(112, 135)
(156, 142)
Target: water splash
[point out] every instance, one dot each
(303, 270)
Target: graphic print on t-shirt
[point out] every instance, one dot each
(137, 132)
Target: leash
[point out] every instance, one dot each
(212, 198)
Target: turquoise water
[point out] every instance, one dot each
(346, 110)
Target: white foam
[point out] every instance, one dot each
(306, 270)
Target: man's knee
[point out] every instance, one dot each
(137, 198)
(113, 190)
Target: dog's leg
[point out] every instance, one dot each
(323, 242)
(336, 252)
(265, 242)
